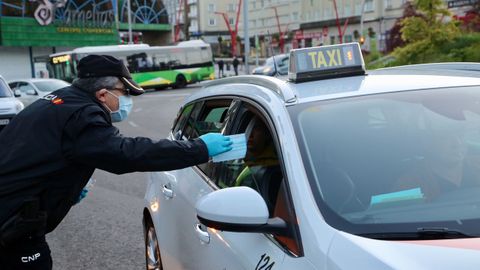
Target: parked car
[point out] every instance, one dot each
(343, 170)
(269, 69)
(29, 90)
(9, 104)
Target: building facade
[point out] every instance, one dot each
(327, 22)
(271, 24)
(30, 30)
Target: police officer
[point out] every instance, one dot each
(50, 150)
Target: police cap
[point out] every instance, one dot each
(92, 66)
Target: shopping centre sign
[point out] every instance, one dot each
(72, 14)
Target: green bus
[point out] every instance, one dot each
(152, 67)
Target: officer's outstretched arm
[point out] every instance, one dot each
(90, 140)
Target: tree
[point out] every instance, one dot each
(394, 39)
(471, 20)
(427, 33)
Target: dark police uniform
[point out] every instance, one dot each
(47, 155)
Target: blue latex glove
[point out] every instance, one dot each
(83, 194)
(216, 143)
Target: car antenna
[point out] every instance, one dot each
(273, 56)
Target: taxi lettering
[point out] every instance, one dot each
(327, 58)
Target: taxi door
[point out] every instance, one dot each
(204, 248)
(233, 250)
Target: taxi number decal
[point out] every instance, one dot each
(264, 263)
(319, 60)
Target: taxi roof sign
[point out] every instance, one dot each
(326, 62)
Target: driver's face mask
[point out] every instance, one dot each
(125, 105)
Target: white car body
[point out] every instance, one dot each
(174, 199)
(29, 90)
(9, 104)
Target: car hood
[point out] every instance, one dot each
(347, 251)
(8, 105)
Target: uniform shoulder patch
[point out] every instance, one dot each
(57, 101)
(54, 99)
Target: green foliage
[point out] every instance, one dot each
(414, 29)
(463, 48)
(430, 37)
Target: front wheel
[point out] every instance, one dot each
(180, 82)
(152, 251)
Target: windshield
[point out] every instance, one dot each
(50, 85)
(4, 89)
(395, 162)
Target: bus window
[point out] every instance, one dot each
(161, 61)
(139, 62)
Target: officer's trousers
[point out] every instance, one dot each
(31, 253)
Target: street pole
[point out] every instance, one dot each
(361, 20)
(246, 36)
(173, 18)
(130, 38)
(186, 21)
(256, 49)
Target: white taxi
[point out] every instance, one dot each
(345, 169)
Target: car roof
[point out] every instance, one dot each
(405, 78)
(376, 84)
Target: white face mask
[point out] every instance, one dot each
(125, 104)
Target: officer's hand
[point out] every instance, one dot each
(83, 194)
(216, 143)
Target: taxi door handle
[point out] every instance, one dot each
(167, 191)
(202, 234)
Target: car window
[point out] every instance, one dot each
(205, 117)
(394, 161)
(25, 87)
(260, 169)
(181, 120)
(50, 85)
(4, 89)
(211, 118)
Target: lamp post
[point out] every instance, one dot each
(130, 38)
(246, 36)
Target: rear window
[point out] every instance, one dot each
(4, 89)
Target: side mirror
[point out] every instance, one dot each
(238, 209)
(17, 93)
(31, 92)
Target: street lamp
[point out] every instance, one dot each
(129, 10)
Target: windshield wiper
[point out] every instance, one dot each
(424, 233)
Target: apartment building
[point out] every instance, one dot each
(271, 24)
(321, 26)
(277, 26)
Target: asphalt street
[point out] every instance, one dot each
(105, 230)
